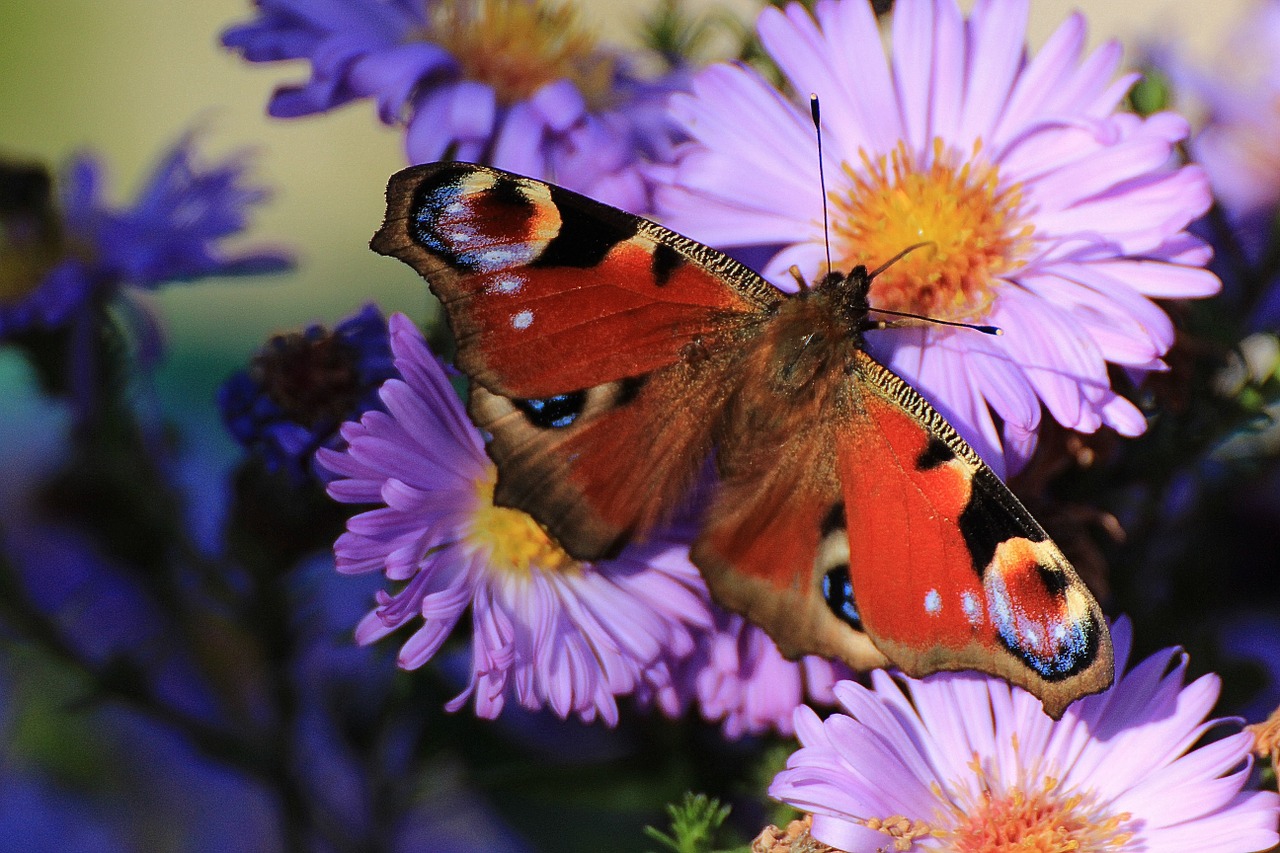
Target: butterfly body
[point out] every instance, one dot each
(612, 358)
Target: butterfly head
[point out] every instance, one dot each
(847, 295)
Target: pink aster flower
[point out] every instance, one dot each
(1048, 212)
(960, 762)
(545, 630)
(738, 677)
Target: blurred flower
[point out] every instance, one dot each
(1236, 145)
(546, 630)
(519, 84)
(300, 387)
(1045, 211)
(962, 762)
(1241, 96)
(737, 676)
(58, 257)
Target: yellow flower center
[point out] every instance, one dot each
(1030, 818)
(510, 538)
(519, 46)
(973, 225)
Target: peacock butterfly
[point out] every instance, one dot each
(610, 358)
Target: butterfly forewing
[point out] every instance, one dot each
(549, 292)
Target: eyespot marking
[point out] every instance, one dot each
(837, 592)
(555, 412)
(453, 215)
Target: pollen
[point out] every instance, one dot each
(972, 227)
(510, 538)
(904, 831)
(1039, 817)
(518, 46)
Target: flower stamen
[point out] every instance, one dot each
(973, 224)
(990, 816)
(904, 831)
(518, 47)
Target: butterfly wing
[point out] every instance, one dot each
(596, 341)
(775, 528)
(948, 570)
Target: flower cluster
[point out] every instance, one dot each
(546, 629)
(959, 762)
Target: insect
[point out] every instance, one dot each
(610, 358)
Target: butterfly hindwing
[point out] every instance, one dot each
(775, 529)
(948, 570)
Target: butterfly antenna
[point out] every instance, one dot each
(816, 112)
(875, 272)
(986, 330)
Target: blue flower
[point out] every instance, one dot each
(60, 256)
(514, 83)
(301, 387)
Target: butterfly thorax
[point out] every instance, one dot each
(793, 373)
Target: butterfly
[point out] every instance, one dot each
(610, 359)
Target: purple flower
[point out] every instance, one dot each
(1237, 146)
(738, 677)
(963, 762)
(518, 84)
(545, 630)
(301, 387)
(60, 256)
(1044, 210)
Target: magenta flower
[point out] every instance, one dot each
(545, 630)
(1047, 212)
(519, 84)
(961, 762)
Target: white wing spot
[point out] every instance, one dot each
(971, 607)
(932, 602)
(521, 320)
(507, 284)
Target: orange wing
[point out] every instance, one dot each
(948, 571)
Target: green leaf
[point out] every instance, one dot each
(694, 822)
